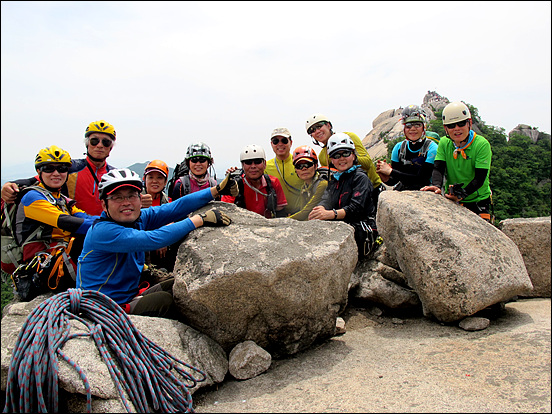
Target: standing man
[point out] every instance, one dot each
(85, 173)
(464, 160)
(281, 167)
(319, 127)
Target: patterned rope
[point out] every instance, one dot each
(150, 376)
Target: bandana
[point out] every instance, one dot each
(338, 174)
(461, 150)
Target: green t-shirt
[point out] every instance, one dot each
(460, 170)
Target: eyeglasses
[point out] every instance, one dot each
(198, 159)
(303, 165)
(460, 124)
(120, 198)
(276, 140)
(256, 161)
(106, 142)
(340, 154)
(409, 125)
(316, 127)
(51, 168)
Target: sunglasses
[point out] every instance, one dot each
(343, 154)
(276, 140)
(51, 168)
(460, 124)
(256, 161)
(303, 165)
(198, 159)
(409, 125)
(316, 127)
(105, 142)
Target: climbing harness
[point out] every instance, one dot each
(148, 374)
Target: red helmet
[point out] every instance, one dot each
(304, 152)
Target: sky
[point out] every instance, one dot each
(168, 74)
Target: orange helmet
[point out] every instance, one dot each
(157, 165)
(304, 152)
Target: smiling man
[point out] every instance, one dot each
(281, 167)
(113, 254)
(464, 160)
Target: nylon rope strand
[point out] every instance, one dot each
(150, 375)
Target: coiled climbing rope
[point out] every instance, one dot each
(148, 372)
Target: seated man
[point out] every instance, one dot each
(258, 192)
(114, 249)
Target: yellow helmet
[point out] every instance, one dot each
(52, 154)
(101, 126)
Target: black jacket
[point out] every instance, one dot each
(353, 193)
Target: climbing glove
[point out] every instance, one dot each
(215, 218)
(228, 186)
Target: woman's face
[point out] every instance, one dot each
(305, 170)
(321, 132)
(413, 131)
(155, 182)
(198, 165)
(51, 176)
(343, 160)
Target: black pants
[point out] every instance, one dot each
(155, 301)
(481, 208)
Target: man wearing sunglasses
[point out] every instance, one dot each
(257, 191)
(85, 173)
(281, 167)
(463, 160)
(412, 159)
(319, 127)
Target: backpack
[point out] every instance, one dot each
(422, 154)
(29, 278)
(180, 170)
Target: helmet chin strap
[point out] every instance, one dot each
(47, 187)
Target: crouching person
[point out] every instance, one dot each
(113, 254)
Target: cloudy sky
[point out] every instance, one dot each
(167, 74)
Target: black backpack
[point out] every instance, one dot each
(179, 170)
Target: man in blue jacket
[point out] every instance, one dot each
(113, 254)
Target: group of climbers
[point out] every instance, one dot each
(136, 223)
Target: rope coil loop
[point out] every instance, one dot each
(150, 376)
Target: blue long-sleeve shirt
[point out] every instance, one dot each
(113, 254)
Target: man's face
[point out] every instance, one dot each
(458, 131)
(254, 169)
(123, 205)
(99, 145)
(281, 146)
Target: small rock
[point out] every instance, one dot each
(340, 326)
(474, 323)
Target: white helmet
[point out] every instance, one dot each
(114, 179)
(340, 141)
(455, 112)
(314, 119)
(251, 152)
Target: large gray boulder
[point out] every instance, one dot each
(457, 263)
(532, 237)
(280, 282)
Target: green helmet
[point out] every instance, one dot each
(199, 149)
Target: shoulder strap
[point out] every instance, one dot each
(185, 180)
(425, 147)
(402, 151)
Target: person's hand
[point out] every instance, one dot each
(231, 170)
(320, 213)
(147, 200)
(9, 192)
(433, 188)
(383, 167)
(228, 186)
(215, 217)
(161, 252)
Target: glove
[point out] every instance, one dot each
(215, 218)
(228, 186)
